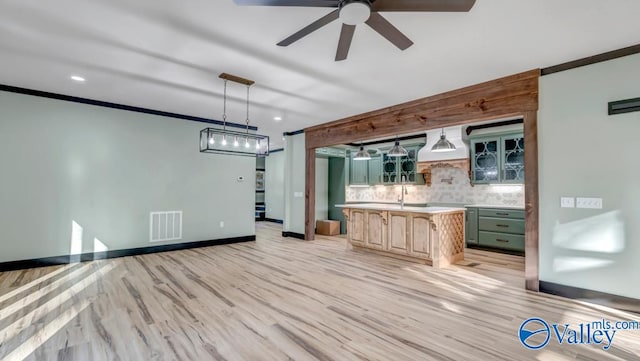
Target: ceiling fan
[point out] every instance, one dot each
(355, 12)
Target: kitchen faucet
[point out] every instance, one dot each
(403, 191)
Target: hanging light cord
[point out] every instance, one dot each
(247, 109)
(224, 107)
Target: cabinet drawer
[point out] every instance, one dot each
(501, 213)
(502, 225)
(501, 240)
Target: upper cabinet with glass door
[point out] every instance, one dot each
(408, 166)
(497, 159)
(513, 158)
(402, 169)
(485, 159)
(389, 169)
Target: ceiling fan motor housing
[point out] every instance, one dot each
(355, 12)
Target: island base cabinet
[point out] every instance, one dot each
(398, 232)
(375, 227)
(355, 227)
(436, 239)
(422, 228)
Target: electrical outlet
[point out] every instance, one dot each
(567, 202)
(221, 224)
(594, 203)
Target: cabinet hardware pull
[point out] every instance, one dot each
(502, 214)
(502, 225)
(502, 240)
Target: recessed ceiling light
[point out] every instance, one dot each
(277, 119)
(78, 78)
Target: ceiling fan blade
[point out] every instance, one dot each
(390, 32)
(310, 28)
(301, 3)
(346, 35)
(423, 5)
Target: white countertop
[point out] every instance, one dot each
(521, 208)
(396, 207)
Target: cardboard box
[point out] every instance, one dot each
(327, 227)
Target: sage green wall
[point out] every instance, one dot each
(274, 185)
(294, 183)
(106, 169)
(337, 191)
(586, 153)
(322, 188)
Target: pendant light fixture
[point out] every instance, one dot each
(397, 150)
(362, 154)
(214, 140)
(443, 145)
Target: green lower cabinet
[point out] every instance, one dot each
(502, 225)
(471, 226)
(496, 228)
(514, 242)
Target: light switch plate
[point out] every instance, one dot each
(298, 194)
(594, 203)
(567, 202)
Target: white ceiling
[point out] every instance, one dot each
(167, 54)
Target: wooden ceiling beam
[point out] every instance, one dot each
(510, 95)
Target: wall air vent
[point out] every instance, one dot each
(624, 106)
(165, 226)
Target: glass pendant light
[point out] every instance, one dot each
(397, 150)
(443, 145)
(232, 142)
(362, 154)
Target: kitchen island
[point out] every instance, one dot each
(431, 235)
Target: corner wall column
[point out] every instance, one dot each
(310, 194)
(531, 201)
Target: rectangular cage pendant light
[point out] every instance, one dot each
(223, 141)
(220, 141)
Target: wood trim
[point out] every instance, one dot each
(426, 167)
(597, 297)
(531, 200)
(293, 235)
(236, 79)
(493, 125)
(310, 193)
(389, 140)
(85, 257)
(610, 55)
(511, 96)
(293, 133)
(505, 97)
(99, 103)
(404, 257)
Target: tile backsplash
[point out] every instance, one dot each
(459, 191)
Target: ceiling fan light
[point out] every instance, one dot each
(443, 145)
(397, 151)
(355, 12)
(362, 154)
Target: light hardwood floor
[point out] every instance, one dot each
(285, 299)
